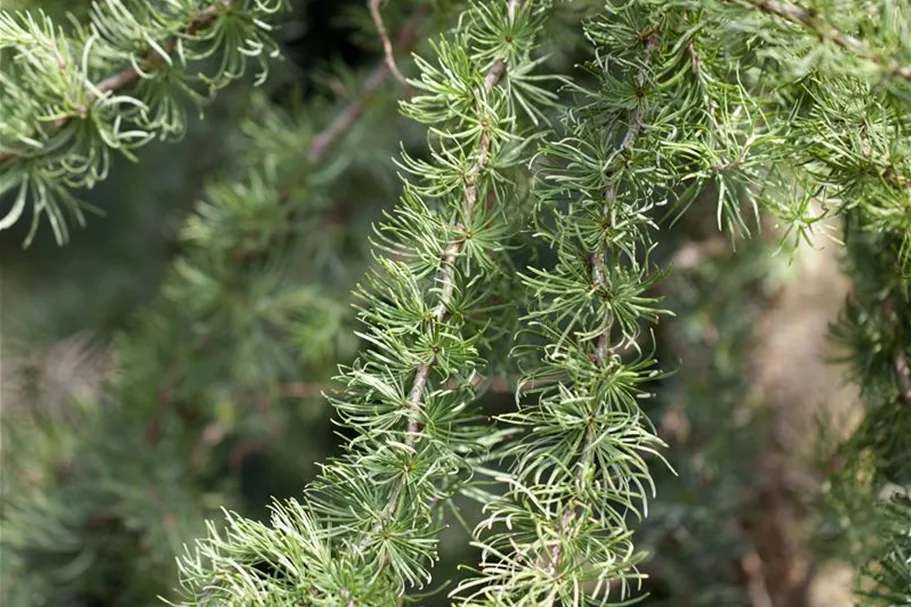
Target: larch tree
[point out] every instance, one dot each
(503, 205)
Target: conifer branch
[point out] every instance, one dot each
(813, 22)
(63, 122)
(447, 278)
(570, 489)
(407, 394)
(129, 75)
(665, 116)
(599, 277)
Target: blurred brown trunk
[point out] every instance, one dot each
(793, 380)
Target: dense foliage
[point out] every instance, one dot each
(557, 160)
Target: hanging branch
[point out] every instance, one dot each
(447, 279)
(408, 396)
(448, 269)
(599, 272)
(560, 536)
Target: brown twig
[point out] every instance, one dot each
(405, 40)
(599, 276)
(846, 42)
(323, 141)
(388, 51)
(344, 121)
(129, 75)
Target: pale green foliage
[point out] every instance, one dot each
(560, 532)
(63, 109)
(762, 108)
(679, 108)
(370, 519)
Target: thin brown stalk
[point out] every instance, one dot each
(374, 6)
(405, 40)
(342, 123)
